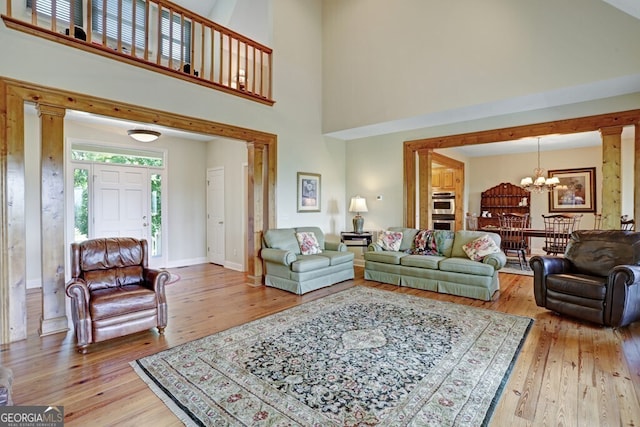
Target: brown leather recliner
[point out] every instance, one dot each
(112, 290)
(598, 279)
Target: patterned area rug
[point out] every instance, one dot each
(362, 356)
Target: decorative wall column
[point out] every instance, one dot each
(257, 169)
(54, 317)
(636, 176)
(13, 267)
(611, 181)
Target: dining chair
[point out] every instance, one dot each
(557, 231)
(597, 221)
(627, 223)
(512, 227)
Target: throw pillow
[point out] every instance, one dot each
(444, 241)
(480, 247)
(308, 243)
(424, 243)
(390, 240)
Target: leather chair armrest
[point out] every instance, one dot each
(335, 246)
(78, 291)
(543, 266)
(623, 296)
(156, 279)
(497, 260)
(278, 256)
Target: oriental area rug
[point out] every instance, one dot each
(360, 357)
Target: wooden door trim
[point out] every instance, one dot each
(566, 126)
(261, 213)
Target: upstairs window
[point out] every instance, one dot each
(176, 38)
(62, 11)
(128, 28)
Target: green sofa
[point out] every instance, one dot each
(286, 268)
(450, 272)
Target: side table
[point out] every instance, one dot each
(356, 239)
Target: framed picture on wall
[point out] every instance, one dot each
(576, 191)
(308, 192)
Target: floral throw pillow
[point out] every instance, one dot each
(480, 247)
(424, 243)
(308, 243)
(390, 240)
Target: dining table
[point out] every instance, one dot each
(527, 232)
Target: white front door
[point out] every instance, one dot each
(121, 201)
(215, 216)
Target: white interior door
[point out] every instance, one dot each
(121, 201)
(215, 216)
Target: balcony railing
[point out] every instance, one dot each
(157, 35)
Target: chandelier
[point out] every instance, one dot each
(539, 183)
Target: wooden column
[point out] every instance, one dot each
(13, 270)
(424, 187)
(409, 189)
(611, 182)
(636, 176)
(54, 318)
(255, 154)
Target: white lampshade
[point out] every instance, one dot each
(358, 204)
(526, 181)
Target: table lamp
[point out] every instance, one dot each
(358, 204)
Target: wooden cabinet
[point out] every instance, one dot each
(443, 179)
(503, 198)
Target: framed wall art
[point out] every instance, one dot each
(308, 192)
(576, 191)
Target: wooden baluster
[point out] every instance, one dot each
(159, 35)
(221, 58)
(147, 8)
(230, 59)
(237, 76)
(134, 10)
(202, 31)
(119, 41)
(253, 74)
(104, 23)
(213, 62)
(89, 20)
(261, 72)
(72, 20)
(9, 8)
(170, 64)
(54, 16)
(34, 12)
(182, 37)
(246, 66)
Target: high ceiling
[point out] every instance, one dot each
(244, 14)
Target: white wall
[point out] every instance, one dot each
(186, 240)
(415, 58)
(232, 156)
(295, 118)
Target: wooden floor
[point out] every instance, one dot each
(568, 373)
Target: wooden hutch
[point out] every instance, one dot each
(503, 198)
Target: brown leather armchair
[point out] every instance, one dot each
(597, 280)
(112, 290)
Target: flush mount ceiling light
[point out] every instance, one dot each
(143, 135)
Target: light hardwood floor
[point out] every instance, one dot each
(568, 373)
